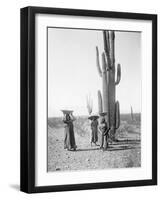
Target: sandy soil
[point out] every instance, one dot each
(120, 154)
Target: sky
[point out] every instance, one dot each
(72, 71)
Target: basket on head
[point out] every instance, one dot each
(93, 117)
(103, 114)
(67, 112)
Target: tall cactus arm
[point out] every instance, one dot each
(105, 40)
(103, 63)
(107, 47)
(100, 106)
(132, 116)
(98, 63)
(89, 104)
(118, 74)
(112, 48)
(117, 115)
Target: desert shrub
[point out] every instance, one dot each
(82, 126)
(55, 122)
(127, 118)
(130, 163)
(125, 129)
(121, 132)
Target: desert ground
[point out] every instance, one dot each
(125, 152)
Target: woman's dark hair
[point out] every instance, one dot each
(102, 120)
(67, 116)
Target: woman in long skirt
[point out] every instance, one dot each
(94, 128)
(69, 139)
(104, 133)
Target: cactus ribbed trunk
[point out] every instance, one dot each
(105, 89)
(111, 96)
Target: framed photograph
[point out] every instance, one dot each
(88, 99)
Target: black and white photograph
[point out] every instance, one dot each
(93, 99)
(88, 99)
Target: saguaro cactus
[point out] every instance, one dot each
(89, 104)
(103, 73)
(132, 116)
(117, 113)
(100, 107)
(108, 81)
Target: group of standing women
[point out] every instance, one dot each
(69, 139)
(102, 128)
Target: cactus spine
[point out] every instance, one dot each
(108, 81)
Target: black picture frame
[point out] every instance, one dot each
(27, 164)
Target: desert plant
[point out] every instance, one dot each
(100, 107)
(107, 73)
(132, 115)
(89, 104)
(117, 113)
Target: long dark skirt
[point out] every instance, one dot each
(94, 137)
(69, 139)
(104, 141)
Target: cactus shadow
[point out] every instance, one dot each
(126, 142)
(121, 148)
(88, 149)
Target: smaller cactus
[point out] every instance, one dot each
(118, 74)
(117, 115)
(98, 63)
(100, 106)
(132, 115)
(89, 104)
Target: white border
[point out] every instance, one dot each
(145, 171)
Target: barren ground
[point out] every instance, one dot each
(124, 153)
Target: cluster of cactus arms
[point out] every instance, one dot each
(107, 101)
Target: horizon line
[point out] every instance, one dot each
(88, 115)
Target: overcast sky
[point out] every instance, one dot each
(72, 72)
